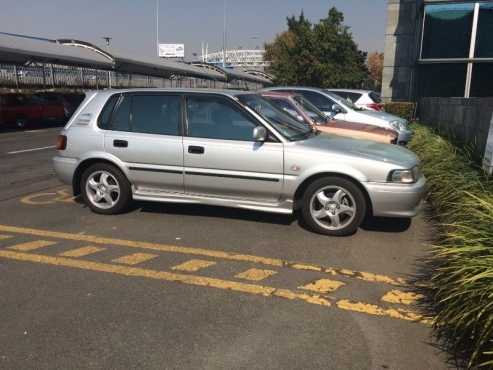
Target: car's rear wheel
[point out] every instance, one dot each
(333, 206)
(105, 189)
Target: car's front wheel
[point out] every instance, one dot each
(105, 189)
(333, 206)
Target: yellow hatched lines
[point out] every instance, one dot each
(30, 246)
(323, 286)
(82, 252)
(135, 258)
(193, 265)
(397, 296)
(4, 237)
(273, 262)
(254, 274)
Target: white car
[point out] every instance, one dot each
(366, 99)
(336, 107)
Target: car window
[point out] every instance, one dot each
(320, 101)
(120, 119)
(353, 97)
(287, 107)
(214, 117)
(156, 114)
(375, 97)
(105, 116)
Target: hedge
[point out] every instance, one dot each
(460, 281)
(401, 109)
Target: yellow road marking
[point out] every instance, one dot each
(323, 286)
(81, 252)
(397, 296)
(193, 265)
(372, 309)
(266, 291)
(135, 258)
(48, 198)
(29, 246)
(366, 276)
(255, 274)
(4, 237)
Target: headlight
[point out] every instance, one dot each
(404, 176)
(398, 125)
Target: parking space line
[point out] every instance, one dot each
(323, 286)
(254, 274)
(266, 291)
(82, 252)
(193, 265)
(135, 258)
(366, 276)
(29, 246)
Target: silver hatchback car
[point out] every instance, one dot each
(229, 148)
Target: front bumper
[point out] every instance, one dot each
(396, 200)
(65, 168)
(404, 136)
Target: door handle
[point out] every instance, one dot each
(192, 149)
(120, 143)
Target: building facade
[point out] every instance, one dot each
(438, 48)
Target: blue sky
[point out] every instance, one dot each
(132, 24)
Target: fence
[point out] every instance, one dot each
(465, 121)
(48, 76)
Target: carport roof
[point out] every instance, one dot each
(23, 49)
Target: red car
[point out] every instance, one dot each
(21, 110)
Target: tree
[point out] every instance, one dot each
(375, 66)
(322, 54)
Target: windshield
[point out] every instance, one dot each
(344, 102)
(313, 112)
(288, 127)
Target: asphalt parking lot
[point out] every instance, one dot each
(182, 286)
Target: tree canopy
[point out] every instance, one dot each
(323, 54)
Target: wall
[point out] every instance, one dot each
(465, 121)
(401, 49)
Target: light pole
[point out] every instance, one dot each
(157, 27)
(224, 33)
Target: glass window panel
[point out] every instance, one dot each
(482, 80)
(484, 38)
(120, 119)
(442, 80)
(216, 118)
(156, 114)
(105, 116)
(447, 30)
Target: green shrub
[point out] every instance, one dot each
(461, 284)
(401, 109)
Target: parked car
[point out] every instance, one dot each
(229, 148)
(365, 99)
(342, 109)
(21, 110)
(304, 111)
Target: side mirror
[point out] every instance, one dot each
(336, 108)
(259, 133)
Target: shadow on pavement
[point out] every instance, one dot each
(386, 224)
(213, 211)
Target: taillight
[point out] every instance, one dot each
(375, 106)
(61, 142)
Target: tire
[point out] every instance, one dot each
(333, 206)
(105, 189)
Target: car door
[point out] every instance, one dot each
(221, 158)
(145, 133)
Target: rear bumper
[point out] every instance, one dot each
(396, 200)
(65, 168)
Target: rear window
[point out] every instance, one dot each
(375, 97)
(105, 116)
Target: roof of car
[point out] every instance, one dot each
(360, 91)
(177, 90)
(280, 94)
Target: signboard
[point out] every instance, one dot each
(488, 153)
(172, 50)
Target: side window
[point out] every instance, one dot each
(216, 118)
(105, 115)
(354, 97)
(321, 102)
(121, 115)
(156, 114)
